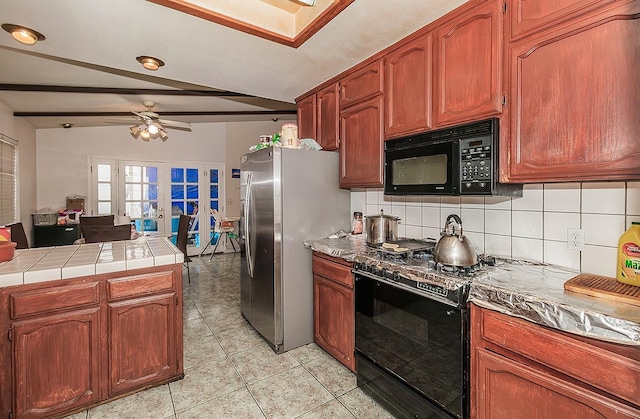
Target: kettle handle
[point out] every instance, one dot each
(455, 218)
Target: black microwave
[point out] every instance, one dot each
(460, 160)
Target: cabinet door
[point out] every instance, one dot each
(333, 316)
(361, 155)
(468, 63)
(328, 118)
(47, 382)
(574, 103)
(527, 17)
(361, 84)
(142, 341)
(506, 389)
(307, 117)
(408, 91)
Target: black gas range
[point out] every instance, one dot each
(412, 331)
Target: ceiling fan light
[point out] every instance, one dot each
(153, 129)
(23, 35)
(150, 63)
(135, 131)
(163, 135)
(144, 134)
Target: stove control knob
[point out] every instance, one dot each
(383, 273)
(396, 276)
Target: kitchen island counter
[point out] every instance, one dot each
(87, 324)
(62, 262)
(528, 290)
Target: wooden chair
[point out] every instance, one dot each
(181, 240)
(18, 235)
(101, 220)
(106, 233)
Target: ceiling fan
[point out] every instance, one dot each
(150, 125)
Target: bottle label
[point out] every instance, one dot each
(632, 250)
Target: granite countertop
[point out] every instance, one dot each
(63, 262)
(528, 290)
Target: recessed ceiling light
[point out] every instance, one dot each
(150, 63)
(22, 34)
(66, 125)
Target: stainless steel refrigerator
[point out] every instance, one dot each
(287, 196)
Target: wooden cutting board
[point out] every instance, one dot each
(604, 287)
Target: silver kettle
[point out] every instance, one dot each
(453, 248)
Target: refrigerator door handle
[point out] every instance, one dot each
(247, 233)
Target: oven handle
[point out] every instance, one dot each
(403, 288)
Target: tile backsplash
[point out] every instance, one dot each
(532, 227)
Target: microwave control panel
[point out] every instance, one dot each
(476, 165)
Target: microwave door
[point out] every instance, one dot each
(429, 169)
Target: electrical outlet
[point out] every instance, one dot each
(575, 239)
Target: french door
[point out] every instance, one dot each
(153, 195)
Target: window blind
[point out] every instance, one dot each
(8, 185)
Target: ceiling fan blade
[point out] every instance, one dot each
(186, 126)
(146, 114)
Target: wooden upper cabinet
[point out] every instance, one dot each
(307, 117)
(574, 102)
(408, 88)
(362, 84)
(468, 65)
(526, 16)
(328, 115)
(361, 130)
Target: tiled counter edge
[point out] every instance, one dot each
(64, 262)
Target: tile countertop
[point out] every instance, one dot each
(528, 290)
(50, 263)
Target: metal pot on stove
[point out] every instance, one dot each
(453, 248)
(381, 228)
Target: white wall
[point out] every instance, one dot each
(25, 134)
(241, 136)
(533, 227)
(62, 154)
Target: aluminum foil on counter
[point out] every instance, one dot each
(535, 292)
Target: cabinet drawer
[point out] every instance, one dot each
(363, 84)
(53, 299)
(138, 285)
(608, 371)
(333, 271)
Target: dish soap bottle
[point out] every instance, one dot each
(628, 270)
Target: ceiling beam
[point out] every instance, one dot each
(182, 113)
(118, 91)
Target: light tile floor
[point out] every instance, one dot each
(230, 372)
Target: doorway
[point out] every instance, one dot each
(153, 195)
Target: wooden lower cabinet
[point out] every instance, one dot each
(333, 308)
(522, 370)
(76, 343)
(46, 381)
(138, 354)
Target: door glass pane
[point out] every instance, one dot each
(185, 197)
(141, 197)
(214, 203)
(104, 188)
(104, 191)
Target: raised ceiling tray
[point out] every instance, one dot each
(604, 287)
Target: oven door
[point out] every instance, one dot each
(423, 168)
(411, 351)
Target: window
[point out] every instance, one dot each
(8, 187)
